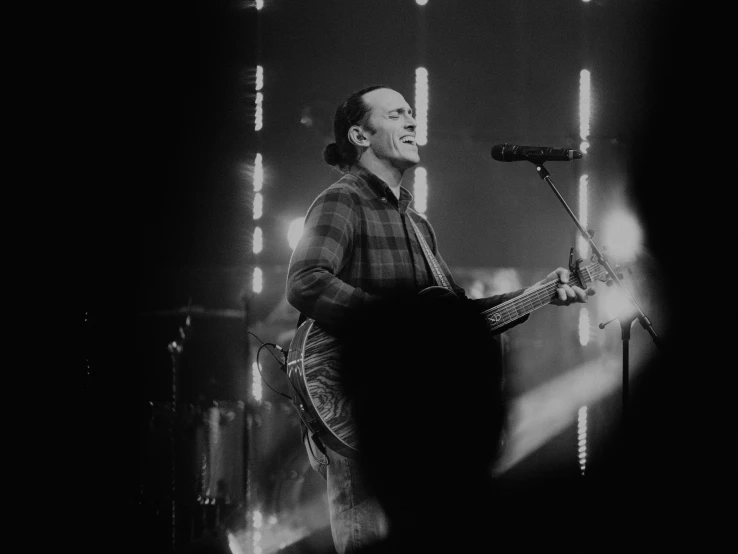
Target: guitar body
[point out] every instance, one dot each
(313, 368)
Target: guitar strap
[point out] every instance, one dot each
(438, 275)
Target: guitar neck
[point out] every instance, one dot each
(528, 302)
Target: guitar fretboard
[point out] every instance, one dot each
(537, 297)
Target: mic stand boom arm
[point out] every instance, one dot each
(644, 321)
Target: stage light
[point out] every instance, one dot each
(259, 116)
(258, 240)
(259, 77)
(295, 231)
(258, 173)
(615, 303)
(582, 438)
(258, 280)
(258, 205)
(259, 4)
(233, 544)
(257, 521)
(583, 326)
(420, 190)
(585, 103)
(622, 236)
(421, 2)
(256, 393)
(421, 106)
(582, 244)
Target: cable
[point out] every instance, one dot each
(281, 363)
(258, 365)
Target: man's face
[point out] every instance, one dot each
(391, 128)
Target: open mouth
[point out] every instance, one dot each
(409, 139)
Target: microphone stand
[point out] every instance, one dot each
(625, 321)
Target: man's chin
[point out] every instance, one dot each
(411, 162)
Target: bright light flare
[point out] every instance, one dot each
(420, 190)
(233, 544)
(421, 106)
(622, 235)
(421, 2)
(294, 232)
(615, 303)
(259, 4)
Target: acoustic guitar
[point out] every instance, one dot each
(314, 357)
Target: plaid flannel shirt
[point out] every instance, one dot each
(357, 245)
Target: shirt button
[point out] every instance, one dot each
(384, 199)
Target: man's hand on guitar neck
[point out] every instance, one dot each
(565, 294)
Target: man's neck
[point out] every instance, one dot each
(389, 174)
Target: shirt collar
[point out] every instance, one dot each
(380, 188)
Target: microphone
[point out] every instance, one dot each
(536, 154)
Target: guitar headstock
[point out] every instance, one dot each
(595, 271)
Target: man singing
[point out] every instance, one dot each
(363, 243)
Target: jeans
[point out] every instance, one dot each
(357, 519)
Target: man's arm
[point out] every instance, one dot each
(313, 286)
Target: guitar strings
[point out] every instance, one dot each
(509, 309)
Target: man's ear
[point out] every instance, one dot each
(356, 136)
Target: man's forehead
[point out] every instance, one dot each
(385, 100)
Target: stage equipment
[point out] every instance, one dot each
(626, 321)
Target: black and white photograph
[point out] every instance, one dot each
(372, 276)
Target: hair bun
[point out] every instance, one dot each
(332, 155)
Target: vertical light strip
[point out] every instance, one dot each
(258, 173)
(582, 244)
(258, 280)
(420, 190)
(259, 117)
(256, 390)
(582, 438)
(421, 106)
(258, 240)
(585, 108)
(259, 78)
(257, 523)
(584, 326)
(585, 112)
(258, 181)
